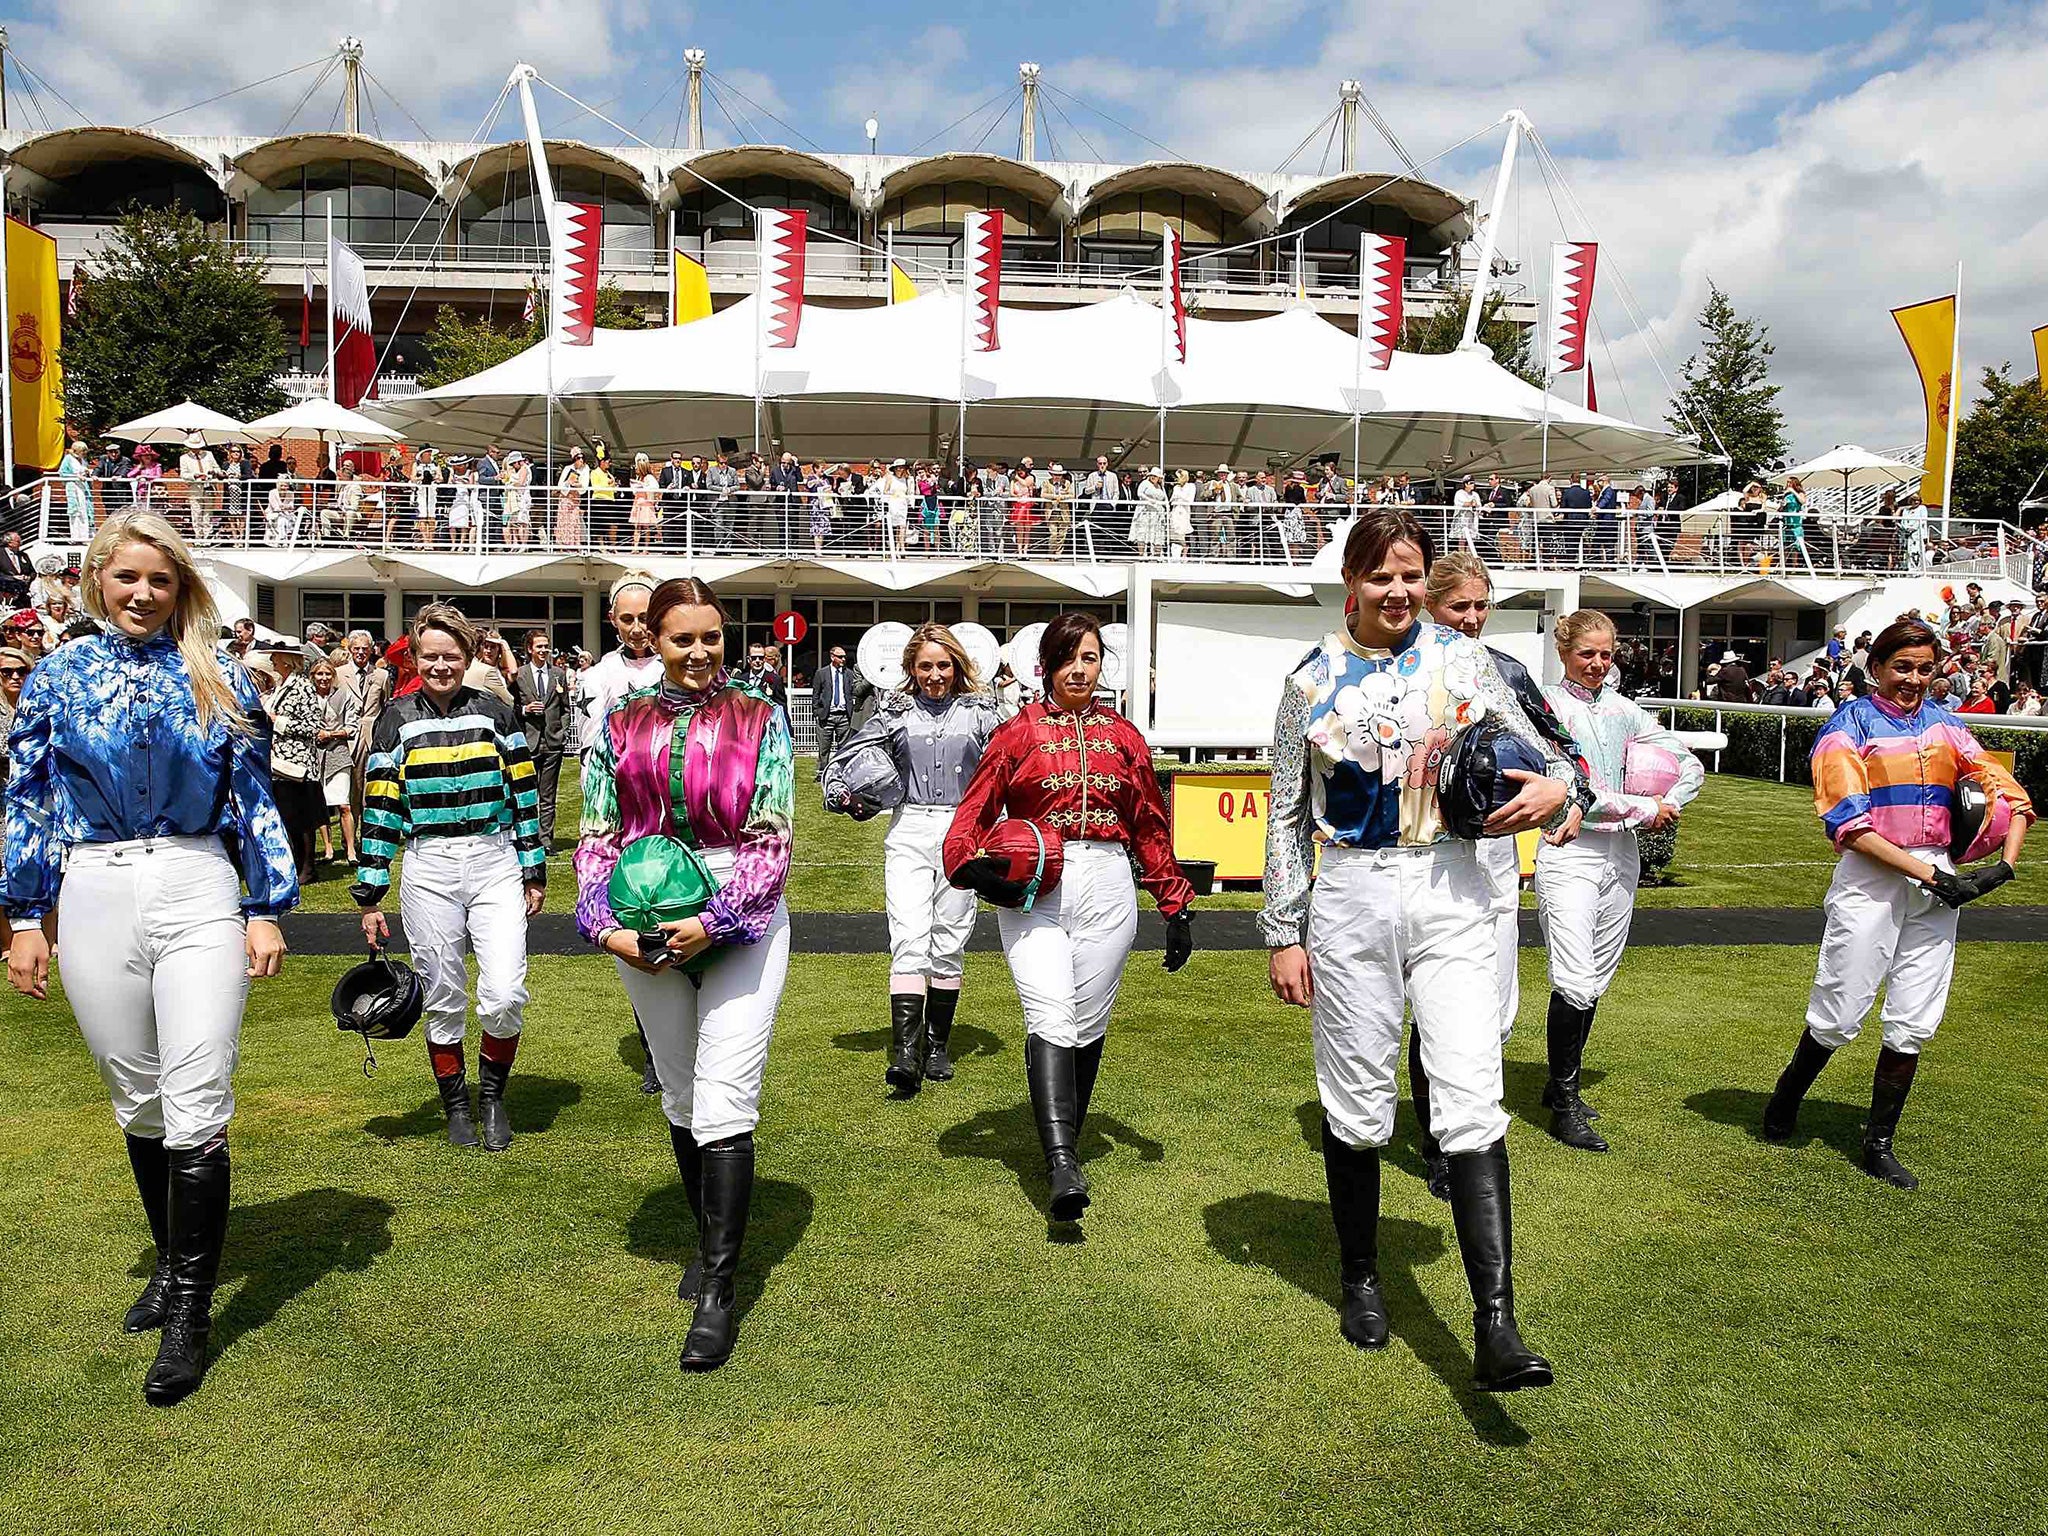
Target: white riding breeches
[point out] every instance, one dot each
(1585, 898)
(710, 1044)
(456, 888)
(929, 921)
(1413, 927)
(1883, 930)
(150, 945)
(1067, 953)
(1503, 862)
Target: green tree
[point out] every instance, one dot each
(458, 346)
(169, 311)
(1441, 329)
(1727, 396)
(2001, 446)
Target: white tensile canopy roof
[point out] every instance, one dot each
(1065, 384)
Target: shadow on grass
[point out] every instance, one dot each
(965, 1041)
(1522, 1094)
(1294, 1239)
(664, 1231)
(282, 1248)
(531, 1102)
(1010, 1137)
(1825, 1120)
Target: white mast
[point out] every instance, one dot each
(1489, 237)
(523, 76)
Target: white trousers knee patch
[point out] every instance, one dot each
(1882, 930)
(1406, 928)
(1067, 953)
(457, 889)
(1503, 863)
(150, 943)
(1585, 899)
(929, 921)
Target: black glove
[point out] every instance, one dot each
(988, 877)
(1988, 878)
(1952, 890)
(1180, 939)
(654, 948)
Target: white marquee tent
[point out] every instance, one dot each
(1068, 383)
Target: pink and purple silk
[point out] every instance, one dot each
(715, 770)
(1878, 769)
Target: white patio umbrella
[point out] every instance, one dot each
(178, 422)
(1853, 467)
(323, 419)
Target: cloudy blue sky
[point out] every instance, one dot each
(1821, 162)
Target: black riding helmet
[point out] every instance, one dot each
(381, 999)
(1472, 776)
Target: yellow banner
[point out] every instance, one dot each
(693, 290)
(1222, 816)
(33, 318)
(901, 289)
(1930, 333)
(2041, 357)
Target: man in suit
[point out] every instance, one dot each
(541, 693)
(16, 571)
(369, 684)
(1576, 502)
(836, 693)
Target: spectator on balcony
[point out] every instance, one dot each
(143, 476)
(570, 490)
(490, 482)
(271, 470)
(1102, 492)
(721, 484)
(991, 485)
(604, 497)
(199, 469)
(281, 515)
(517, 480)
(1180, 516)
(1261, 516)
(1335, 490)
(110, 470)
(1058, 499)
(16, 570)
(466, 527)
(677, 480)
(237, 477)
(1576, 503)
(339, 517)
(823, 506)
(753, 492)
(646, 513)
(1792, 518)
(74, 471)
(1150, 516)
(1023, 507)
(1465, 507)
(786, 480)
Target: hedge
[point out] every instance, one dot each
(1752, 750)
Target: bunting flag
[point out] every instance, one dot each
(1173, 308)
(1382, 264)
(782, 233)
(692, 291)
(1929, 331)
(1571, 302)
(532, 303)
(901, 289)
(1593, 399)
(984, 278)
(34, 323)
(2041, 357)
(306, 308)
(579, 237)
(355, 352)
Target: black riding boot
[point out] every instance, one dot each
(490, 1103)
(1566, 1043)
(728, 1188)
(906, 1042)
(153, 1182)
(1353, 1174)
(1585, 1015)
(1888, 1092)
(1781, 1114)
(455, 1104)
(1482, 1211)
(1055, 1104)
(650, 1080)
(1436, 1171)
(690, 1164)
(1087, 1066)
(940, 1004)
(197, 1220)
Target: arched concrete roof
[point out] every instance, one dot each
(66, 152)
(483, 172)
(725, 166)
(997, 170)
(1423, 201)
(273, 157)
(1239, 198)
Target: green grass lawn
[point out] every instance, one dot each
(1743, 843)
(416, 1339)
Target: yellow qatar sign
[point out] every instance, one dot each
(1222, 817)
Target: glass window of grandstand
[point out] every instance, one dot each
(1748, 635)
(500, 215)
(1329, 244)
(704, 217)
(345, 611)
(928, 224)
(99, 193)
(1121, 233)
(1646, 649)
(1004, 619)
(513, 614)
(381, 210)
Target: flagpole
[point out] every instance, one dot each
(333, 396)
(1358, 368)
(6, 346)
(674, 284)
(1955, 407)
(889, 261)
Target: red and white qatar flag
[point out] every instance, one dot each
(1173, 308)
(782, 235)
(1571, 303)
(355, 349)
(579, 237)
(1382, 264)
(984, 278)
